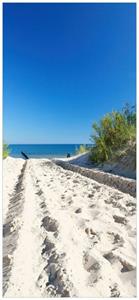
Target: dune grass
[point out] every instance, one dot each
(81, 149)
(115, 131)
(6, 150)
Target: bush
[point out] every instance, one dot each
(113, 131)
(81, 149)
(6, 150)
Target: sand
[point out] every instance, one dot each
(11, 170)
(124, 166)
(66, 235)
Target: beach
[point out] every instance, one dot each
(65, 234)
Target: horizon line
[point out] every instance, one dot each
(48, 143)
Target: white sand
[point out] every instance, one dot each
(76, 238)
(11, 171)
(125, 166)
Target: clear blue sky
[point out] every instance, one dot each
(65, 66)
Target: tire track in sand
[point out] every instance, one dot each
(37, 269)
(11, 228)
(27, 261)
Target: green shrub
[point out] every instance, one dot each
(6, 150)
(130, 114)
(81, 149)
(113, 132)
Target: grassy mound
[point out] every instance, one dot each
(114, 133)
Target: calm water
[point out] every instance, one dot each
(36, 151)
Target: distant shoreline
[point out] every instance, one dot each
(44, 150)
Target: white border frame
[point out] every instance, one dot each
(1, 106)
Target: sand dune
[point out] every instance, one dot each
(67, 235)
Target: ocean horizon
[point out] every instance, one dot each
(44, 150)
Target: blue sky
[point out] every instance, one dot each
(65, 66)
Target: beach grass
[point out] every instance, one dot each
(6, 150)
(113, 132)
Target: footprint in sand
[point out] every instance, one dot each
(125, 265)
(68, 199)
(116, 239)
(39, 193)
(92, 266)
(92, 235)
(91, 206)
(43, 205)
(97, 187)
(111, 200)
(70, 202)
(49, 224)
(131, 207)
(91, 195)
(120, 219)
(110, 257)
(117, 196)
(75, 181)
(48, 246)
(130, 204)
(114, 290)
(78, 211)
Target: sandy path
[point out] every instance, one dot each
(27, 256)
(76, 237)
(11, 170)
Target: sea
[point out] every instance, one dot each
(44, 150)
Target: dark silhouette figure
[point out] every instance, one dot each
(68, 155)
(24, 155)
